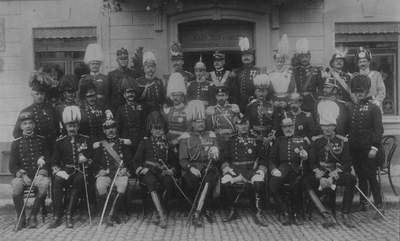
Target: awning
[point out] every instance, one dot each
(64, 32)
(367, 28)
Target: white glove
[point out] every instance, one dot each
(82, 158)
(318, 173)
(144, 171)
(372, 152)
(213, 152)
(276, 172)
(40, 161)
(195, 171)
(63, 174)
(102, 172)
(109, 114)
(303, 154)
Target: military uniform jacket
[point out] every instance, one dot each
(115, 78)
(66, 152)
(194, 150)
(285, 150)
(177, 121)
(103, 87)
(149, 153)
(46, 120)
(304, 124)
(25, 151)
(262, 117)
(130, 120)
(342, 80)
(241, 85)
(308, 82)
(102, 158)
(152, 94)
(330, 153)
(220, 78)
(221, 118)
(92, 120)
(203, 91)
(366, 125)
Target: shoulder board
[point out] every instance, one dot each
(16, 139)
(307, 140)
(84, 136)
(212, 134)
(314, 138)
(343, 138)
(126, 142)
(40, 136)
(341, 101)
(184, 135)
(251, 102)
(96, 144)
(61, 138)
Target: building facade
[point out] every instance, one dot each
(33, 33)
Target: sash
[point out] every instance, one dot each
(146, 89)
(111, 151)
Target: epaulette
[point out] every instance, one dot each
(314, 138)
(252, 101)
(210, 110)
(184, 135)
(84, 136)
(212, 134)
(341, 101)
(307, 140)
(343, 138)
(61, 138)
(96, 144)
(126, 142)
(235, 108)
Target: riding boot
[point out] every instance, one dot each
(232, 215)
(19, 203)
(72, 200)
(35, 210)
(157, 204)
(111, 215)
(101, 200)
(197, 221)
(329, 221)
(259, 217)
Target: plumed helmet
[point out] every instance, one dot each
(176, 83)
(93, 52)
(328, 112)
(71, 114)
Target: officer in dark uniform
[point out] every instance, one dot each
(241, 84)
(28, 154)
(287, 157)
(244, 166)
(201, 88)
(331, 167)
(198, 157)
(219, 76)
(303, 121)
(152, 90)
(45, 116)
(94, 58)
(93, 114)
(153, 165)
(115, 78)
(220, 118)
(177, 64)
(307, 77)
(365, 139)
(130, 117)
(106, 166)
(71, 154)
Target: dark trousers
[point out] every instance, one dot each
(191, 182)
(366, 172)
(76, 181)
(154, 180)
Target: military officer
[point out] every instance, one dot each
(152, 95)
(287, 157)
(377, 88)
(198, 157)
(71, 155)
(220, 75)
(331, 167)
(45, 116)
(308, 78)
(177, 64)
(29, 153)
(220, 118)
(112, 154)
(303, 121)
(365, 137)
(244, 166)
(241, 80)
(115, 78)
(153, 165)
(130, 117)
(94, 57)
(201, 88)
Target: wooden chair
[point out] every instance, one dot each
(389, 144)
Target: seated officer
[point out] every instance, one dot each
(286, 164)
(244, 164)
(198, 156)
(152, 165)
(71, 153)
(331, 165)
(109, 155)
(28, 155)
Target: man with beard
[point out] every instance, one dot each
(241, 80)
(152, 95)
(29, 153)
(115, 78)
(303, 121)
(307, 77)
(71, 155)
(108, 153)
(243, 169)
(177, 64)
(154, 167)
(287, 156)
(201, 88)
(198, 157)
(94, 57)
(365, 139)
(44, 115)
(219, 76)
(377, 89)
(130, 117)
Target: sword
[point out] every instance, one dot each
(87, 194)
(376, 209)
